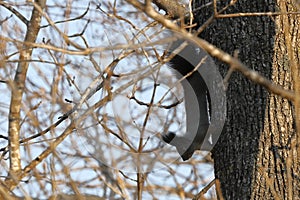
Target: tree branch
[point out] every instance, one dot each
(200, 195)
(173, 8)
(14, 11)
(18, 86)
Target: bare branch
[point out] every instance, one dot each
(5, 19)
(14, 11)
(18, 90)
(11, 183)
(173, 8)
(200, 195)
(69, 20)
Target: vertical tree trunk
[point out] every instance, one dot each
(251, 154)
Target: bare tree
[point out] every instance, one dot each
(87, 95)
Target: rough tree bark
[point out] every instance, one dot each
(256, 155)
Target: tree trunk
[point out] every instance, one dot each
(253, 157)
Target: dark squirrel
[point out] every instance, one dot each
(190, 142)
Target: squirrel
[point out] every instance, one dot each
(197, 112)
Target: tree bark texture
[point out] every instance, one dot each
(251, 154)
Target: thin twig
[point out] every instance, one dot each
(6, 19)
(15, 12)
(69, 20)
(200, 195)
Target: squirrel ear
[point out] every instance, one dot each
(168, 137)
